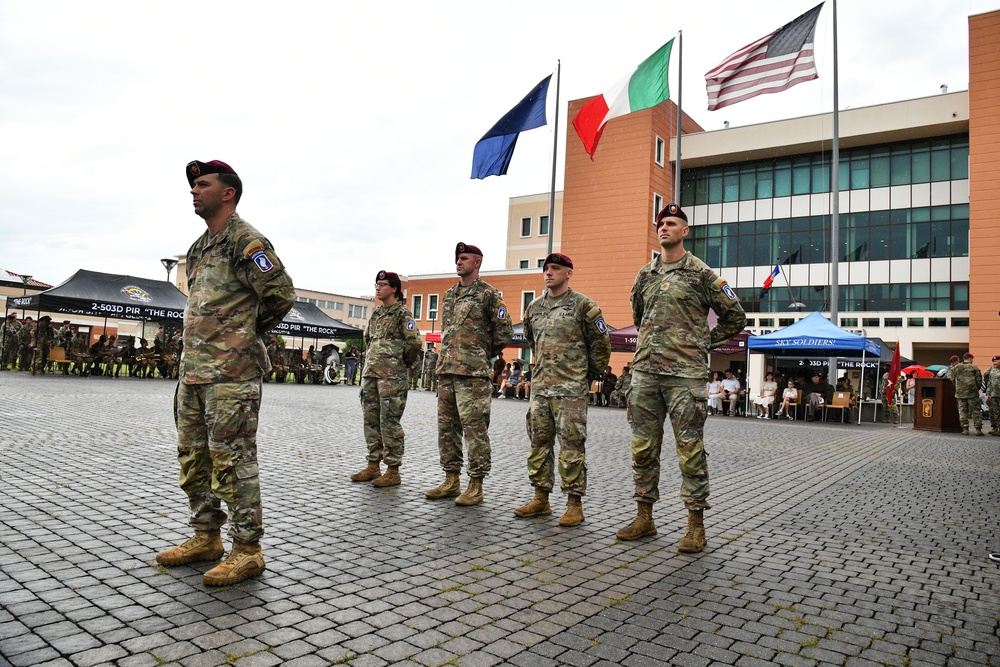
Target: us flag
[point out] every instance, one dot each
(773, 63)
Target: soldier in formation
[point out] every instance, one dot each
(967, 380)
(25, 336)
(8, 353)
(670, 299)
(569, 342)
(238, 290)
(474, 329)
(391, 347)
(991, 380)
(42, 339)
(430, 362)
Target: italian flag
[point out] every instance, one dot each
(645, 87)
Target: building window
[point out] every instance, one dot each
(937, 322)
(338, 305)
(523, 264)
(432, 306)
(543, 225)
(526, 298)
(657, 205)
(767, 321)
(893, 321)
(786, 321)
(849, 322)
(914, 321)
(660, 151)
(525, 227)
(871, 322)
(960, 321)
(541, 263)
(418, 306)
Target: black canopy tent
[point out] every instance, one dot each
(306, 320)
(108, 295)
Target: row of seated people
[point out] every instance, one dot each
(109, 359)
(301, 366)
(728, 397)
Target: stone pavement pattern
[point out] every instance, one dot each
(828, 545)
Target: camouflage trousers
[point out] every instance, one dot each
(39, 359)
(217, 451)
(464, 409)
(654, 398)
(383, 401)
(414, 378)
(994, 404)
(430, 380)
(970, 409)
(890, 413)
(565, 417)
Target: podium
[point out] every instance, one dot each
(934, 408)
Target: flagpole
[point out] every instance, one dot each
(680, 93)
(835, 193)
(555, 153)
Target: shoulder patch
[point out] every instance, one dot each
(410, 325)
(728, 291)
(593, 312)
(502, 312)
(601, 326)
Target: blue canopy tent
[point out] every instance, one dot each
(815, 336)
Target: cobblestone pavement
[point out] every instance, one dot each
(828, 545)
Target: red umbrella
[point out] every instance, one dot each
(917, 370)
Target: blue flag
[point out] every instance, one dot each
(492, 154)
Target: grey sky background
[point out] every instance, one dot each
(352, 124)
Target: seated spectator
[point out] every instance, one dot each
(787, 396)
(763, 402)
(523, 389)
(619, 397)
(714, 394)
(608, 384)
(507, 387)
(731, 391)
(502, 380)
(814, 395)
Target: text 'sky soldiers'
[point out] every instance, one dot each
(238, 290)
(670, 302)
(570, 346)
(391, 345)
(475, 328)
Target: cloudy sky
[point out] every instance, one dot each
(353, 124)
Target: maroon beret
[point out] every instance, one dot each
(558, 258)
(196, 168)
(467, 249)
(954, 357)
(671, 211)
(389, 277)
(968, 355)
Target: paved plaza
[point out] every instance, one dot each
(828, 544)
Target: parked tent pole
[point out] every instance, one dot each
(862, 386)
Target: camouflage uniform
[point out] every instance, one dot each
(992, 380)
(8, 355)
(620, 395)
(890, 414)
(570, 342)
(414, 370)
(967, 379)
(238, 290)
(24, 338)
(670, 303)
(430, 375)
(474, 329)
(391, 343)
(41, 341)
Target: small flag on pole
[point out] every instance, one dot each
(493, 152)
(645, 87)
(775, 272)
(895, 368)
(773, 63)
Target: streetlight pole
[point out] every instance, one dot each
(168, 263)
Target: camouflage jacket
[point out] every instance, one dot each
(391, 342)
(967, 378)
(992, 380)
(43, 337)
(624, 382)
(26, 334)
(238, 290)
(475, 328)
(430, 361)
(670, 304)
(569, 341)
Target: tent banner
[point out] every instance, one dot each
(92, 308)
(846, 364)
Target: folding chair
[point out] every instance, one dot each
(795, 404)
(841, 401)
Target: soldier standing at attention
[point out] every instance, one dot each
(991, 378)
(430, 362)
(238, 290)
(967, 380)
(391, 345)
(474, 329)
(670, 302)
(569, 341)
(9, 352)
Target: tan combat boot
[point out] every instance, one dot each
(473, 494)
(244, 561)
(694, 538)
(994, 431)
(389, 478)
(979, 431)
(965, 431)
(205, 545)
(641, 526)
(373, 471)
(537, 506)
(449, 488)
(574, 511)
